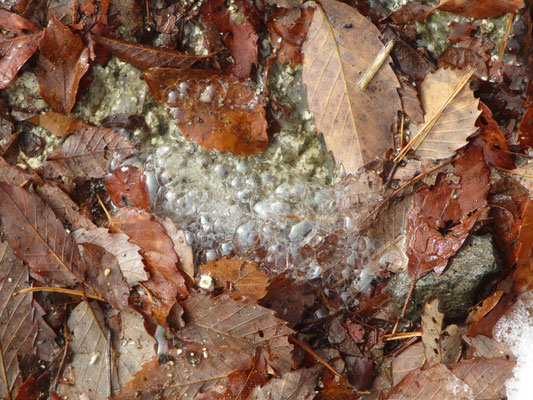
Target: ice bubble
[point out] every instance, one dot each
(300, 231)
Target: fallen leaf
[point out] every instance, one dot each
(488, 347)
(189, 374)
(39, 238)
(14, 53)
(218, 111)
(181, 247)
(455, 124)
(87, 153)
(238, 325)
(13, 174)
(340, 47)
(143, 56)
(126, 253)
(126, 187)
(236, 276)
(15, 23)
(443, 214)
(19, 330)
(461, 31)
(90, 365)
(242, 383)
(293, 385)
(480, 8)
(442, 346)
(472, 53)
(526, 125)
(55, 123)
(523, 275)
(63, 60)
(410, 102)
(411, 359)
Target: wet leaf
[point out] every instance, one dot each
(236, 276)
(523, 275)
(242, 383)
(218, 111)
(13, 174)
(472, 53)
(238, 325)
(126, 253)
(189, 374)
(63, 60)
(294, 385)
(455, 124)
(410, 102)
(126, 187)
(143, 56)
(410, 359)
(55, 123)
(481, 8)
(340, 47)
(442, 346)
(488, 347)
(443, 214)
(14, 53)
(15, 23)
(90, 364)
(87, 153)
(181, 247)
(39, 238)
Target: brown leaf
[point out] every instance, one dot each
(14, 53)
(340, 47)
(55, 123)
(236, 276)
(488, 347)
(189, 374)
(481, 8)
(523, 275)
(456, 123)
(294, 385)
(13, 174)
(87, 153)
(39, 238)
(90, 366)
(15, 23)
(217, 111)
(143, 56)
(181, 247)
(410, 359)
(20, 317)
(443, 214)
(126, 187)
(242, 383)
(126, 253)
(526, 125)
(410, 102)
(63, 60)
(443, 346)
(239, 325)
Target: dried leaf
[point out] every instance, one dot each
(340, 47)
(410, 359)
(189, 374)
(218, 111)
(90, 364)
(14, 53)
(126, 253)
(126, 187)
(39, 238)
(87, 153)
(238, 325)
(236, 276)
(294, 385)
(410, 102)
(455, 124)
(488, 347)
(481, 8)
(472, 53)
(55, 123)
(15, 23)
(441, 345)
(181, 247)
(63, 60)
(12, 174)
(242, 383)
(20, 317)
(143, 56)
(523, 275)
(524, 175)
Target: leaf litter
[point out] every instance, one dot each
(82, 224)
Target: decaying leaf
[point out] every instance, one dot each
(522, 277)
(488, 347)
(126, 253)
(55, 123)
(237, 276)
(456, 122)
(144, 56)
(340, 48)
(189, 374)
(238, 325)
(63, 60)
(441, 345)
(90, 366)
(39, 238)
(126, 187)
(87, 153)
(242, 383)
(218, 111)
(14, 53)
(410, 359)
(13, 174)
(294, 385)
(481, 8)
(181, 247)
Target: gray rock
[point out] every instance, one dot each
(457, 288)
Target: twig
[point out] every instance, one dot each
(308, 348)
(506, 37)
(401, 335)
(509, 171)
(57, 290)
(376, 65)
(442, 3)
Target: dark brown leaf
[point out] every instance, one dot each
(14, 53)
(410, 102)
(39, 238)
(143, 56)
(15, 23)
(242, 383)
(523, 274)
(13, 174)
(63, 60)
(87, 153)
(126, 187)
(218, 111)
(410, 359)
(294, 385)
(238, 325)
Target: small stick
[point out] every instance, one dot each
(308, 348)
(57, 290)
(401, 335)
(376, 65)
(513, 172)
(506, 37)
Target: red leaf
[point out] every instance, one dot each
(218, 111)
(15, 52)
(526, 126)
(127, 187)
(443, 214)
(523, 275)
(63, 60)
(481, 8)
(15, 23)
